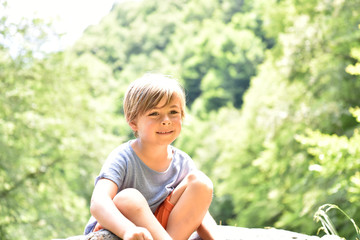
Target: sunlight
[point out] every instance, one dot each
(69, 18)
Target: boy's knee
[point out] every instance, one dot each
(130, 201)
(199, 180)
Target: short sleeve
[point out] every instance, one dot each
(114, 167)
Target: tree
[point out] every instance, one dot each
(336, 160)
(51, 124)
(301, 85)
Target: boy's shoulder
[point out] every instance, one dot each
(122, 147)
(182, 159)
(125, 146)
(180, 153)
(121, 151)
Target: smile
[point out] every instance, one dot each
(164, 132)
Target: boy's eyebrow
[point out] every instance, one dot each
(172, 106)
(175, 105)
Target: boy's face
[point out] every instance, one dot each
(160, 125)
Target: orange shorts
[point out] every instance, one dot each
(162, 213)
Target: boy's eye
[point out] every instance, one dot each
(154, 114)
(174, 112)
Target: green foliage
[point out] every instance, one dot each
(196, 40)
(49, 127)
(336, 163)
(302, 85)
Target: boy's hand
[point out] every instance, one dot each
(137, 233)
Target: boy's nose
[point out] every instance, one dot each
(166, 121)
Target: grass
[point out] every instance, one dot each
(327, 225)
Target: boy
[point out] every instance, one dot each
(148, 189)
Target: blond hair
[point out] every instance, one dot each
(145, 93)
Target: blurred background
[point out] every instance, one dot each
(273, 89)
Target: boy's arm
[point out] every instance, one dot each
(208, 229)
(106, 213)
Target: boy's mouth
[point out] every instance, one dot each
(167, 132)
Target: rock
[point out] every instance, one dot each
(227, 233)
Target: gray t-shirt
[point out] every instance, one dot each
(126, 169)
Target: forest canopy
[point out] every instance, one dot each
(273, 109)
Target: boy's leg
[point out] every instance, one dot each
(208, 230)
(192, 199)
(132, 204)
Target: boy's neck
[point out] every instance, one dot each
(157, 157)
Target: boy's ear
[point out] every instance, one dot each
(133, 125)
